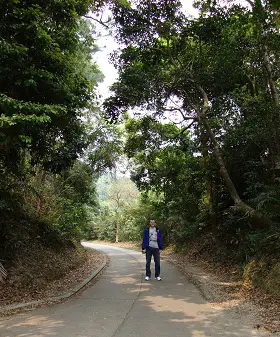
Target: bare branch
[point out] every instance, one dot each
(174, 103)
(188, 126)
(185, 129)
(185, 118)
(176, 123)
(99, 21)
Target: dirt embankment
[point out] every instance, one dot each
(222, 286)
(40, 272)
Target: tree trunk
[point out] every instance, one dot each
(223, 170)
(206, 165)
(41, 196)
(117, 226)
(241, 206)
(259, 11)
(270, 82)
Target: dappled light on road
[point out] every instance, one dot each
(34, 325)
(122, 304)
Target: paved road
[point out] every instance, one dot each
(122, 304)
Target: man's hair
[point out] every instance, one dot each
(156, 227)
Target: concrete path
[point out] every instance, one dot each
(123, 304)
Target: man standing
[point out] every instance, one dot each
(152, 245)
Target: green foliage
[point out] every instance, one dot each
(47, 84)
(118, 198)
(74, 220)
(105, 144)
(104, 227)
(166, 169)
(218, 72)
(230, 54)
(47, 79)
(51, 208)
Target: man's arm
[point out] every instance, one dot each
(143, 243)
(160, 241)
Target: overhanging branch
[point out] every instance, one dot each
(179, 110)
(99, 21)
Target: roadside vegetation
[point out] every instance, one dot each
(194, 115)
(204, 140)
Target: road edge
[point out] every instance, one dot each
(71, 292)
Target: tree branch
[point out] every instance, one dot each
(180, 110)
(187, 127)
(171, 56)
(184, 129)
(99, 21)
(205, 100)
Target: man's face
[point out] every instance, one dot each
(152, 223)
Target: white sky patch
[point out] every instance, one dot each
(107, 45)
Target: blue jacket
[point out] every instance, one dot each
(145, 242)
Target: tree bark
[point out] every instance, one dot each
(206, 165)
(41, 196)
(223, 170)
(271, 84)
(241, 206)
(117, 226)
(259, 12)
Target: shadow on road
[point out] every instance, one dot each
(121, 304)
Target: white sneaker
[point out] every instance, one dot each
(158, 278)
(147, 278)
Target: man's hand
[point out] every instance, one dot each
(143, 251)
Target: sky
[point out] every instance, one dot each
(107, 45)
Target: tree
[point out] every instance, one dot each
(47, 79)
(175, 64)
(47, 84)
(122, 193)
(105, 144)
(165, 170)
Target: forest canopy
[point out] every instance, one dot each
(194, 114)
(203, 135)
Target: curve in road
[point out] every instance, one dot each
(122, 304)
